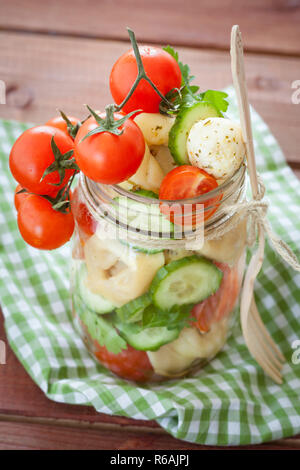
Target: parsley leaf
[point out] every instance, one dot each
(172, 52)
(217, 98)
(189, 94)
(152, 317)
(133, 310)
(186, 78)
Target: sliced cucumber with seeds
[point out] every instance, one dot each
(180, 130)
(94, 302)
(142, 217)
(185, 281)
(133, 310)
(147, 339)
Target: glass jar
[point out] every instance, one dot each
(152, 305)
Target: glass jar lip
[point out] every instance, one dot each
(239, 173)
(101, 199)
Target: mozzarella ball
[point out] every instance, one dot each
(216, 145)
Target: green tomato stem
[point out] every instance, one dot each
(109, 109)
(141, 74)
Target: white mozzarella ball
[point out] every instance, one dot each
(216, 145)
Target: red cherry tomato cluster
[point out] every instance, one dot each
(40, 225)
(108, 148)
(108, 157)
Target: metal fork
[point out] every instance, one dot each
(257, 337)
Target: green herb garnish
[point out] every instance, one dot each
(189, 94)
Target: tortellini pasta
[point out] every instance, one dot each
(155, 127)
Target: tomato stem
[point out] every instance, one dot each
(72, 128)
(109, 110)
(141, 75)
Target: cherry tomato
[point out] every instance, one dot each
(160, 67)
(19, 198)
(41, 226)
(59, 123)
(129, 364)
(108, 158)
(220, 304)
(185, 182)
(83, 217)
(32, 154)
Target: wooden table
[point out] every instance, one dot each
(59, 54)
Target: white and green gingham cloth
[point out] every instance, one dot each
(231, 401)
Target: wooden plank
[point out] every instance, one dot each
(43, 73)
(26, 436)
(36, 436)
(271, 25)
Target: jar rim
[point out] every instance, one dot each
(101, 200)
(239, 174)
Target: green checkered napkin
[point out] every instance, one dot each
(230, 401)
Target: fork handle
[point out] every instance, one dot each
(239, 81)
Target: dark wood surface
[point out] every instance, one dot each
(43, 73)
(59, 54)
(267, 25)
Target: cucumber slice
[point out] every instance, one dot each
(103, 332)
(133, 310)
(142, 217)
(142, 249)
(147, 339)
(94, 302)
(149, 251)
(100, 330)
(185, 281)
(184, 121)
(145, 193)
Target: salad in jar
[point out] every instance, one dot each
(148, 305)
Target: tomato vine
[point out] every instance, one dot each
(107, 124)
